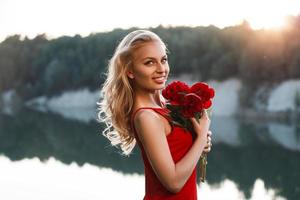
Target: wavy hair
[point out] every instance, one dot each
(117, 94)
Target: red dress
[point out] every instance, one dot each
(179, 141)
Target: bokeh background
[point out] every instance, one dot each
(53, 56)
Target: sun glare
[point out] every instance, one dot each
(269, 14)
(267, 22)
(32, 17)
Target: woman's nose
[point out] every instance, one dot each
(161, 67)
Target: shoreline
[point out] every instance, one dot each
(262, 115)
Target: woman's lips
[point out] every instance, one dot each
(160, 79)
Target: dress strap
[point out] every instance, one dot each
(160, 110)
(163, 111)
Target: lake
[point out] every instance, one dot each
(44, 155)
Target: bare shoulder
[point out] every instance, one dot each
(148, 119)
(147, 114)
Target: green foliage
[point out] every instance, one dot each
(294, 67)
(224, 67)
(45, 67)
(246, 94)
(17, 58)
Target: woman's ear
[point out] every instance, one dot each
(130, 74)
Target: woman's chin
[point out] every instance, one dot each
(161, 86)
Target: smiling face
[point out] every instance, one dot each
(150, 67)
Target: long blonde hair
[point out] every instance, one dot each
(117, 96)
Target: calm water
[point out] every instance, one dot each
(48, 156)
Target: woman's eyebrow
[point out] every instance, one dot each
(154, 57)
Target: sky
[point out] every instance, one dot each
(70, 17)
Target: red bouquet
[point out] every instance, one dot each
(185, 102)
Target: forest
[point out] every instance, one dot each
(42, 66)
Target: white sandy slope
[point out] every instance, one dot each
(71, 104)
(226, 100)
(285, 135)
(283, 96)
(79, 105)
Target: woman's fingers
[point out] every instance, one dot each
(194, 122)
(209, 136)
(209, 133)
(205, 115)
(196, 125)
(207, 148)
(208, 139)
(209, 144)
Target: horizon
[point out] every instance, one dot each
(32, 17)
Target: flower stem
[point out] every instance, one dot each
(203, 163)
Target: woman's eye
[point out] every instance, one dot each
(147, 63)
(151, 62)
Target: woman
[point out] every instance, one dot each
(134, 108)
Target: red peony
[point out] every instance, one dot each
(175, 92)
(190, 100)
(192, 103)
(203, 90)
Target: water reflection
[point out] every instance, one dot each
(35, 180)
(246, 155)
(285, 135)
(225, 130)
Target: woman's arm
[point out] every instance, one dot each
(151, 132)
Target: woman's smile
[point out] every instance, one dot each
(160, 79)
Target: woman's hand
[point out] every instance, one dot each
(201, 128)
(207, 148)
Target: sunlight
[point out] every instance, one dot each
(267, 19)
(267, 22)
(66, 17)
(269, 14)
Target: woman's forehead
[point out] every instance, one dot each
(150, 49)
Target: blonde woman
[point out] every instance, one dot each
(134, 111)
